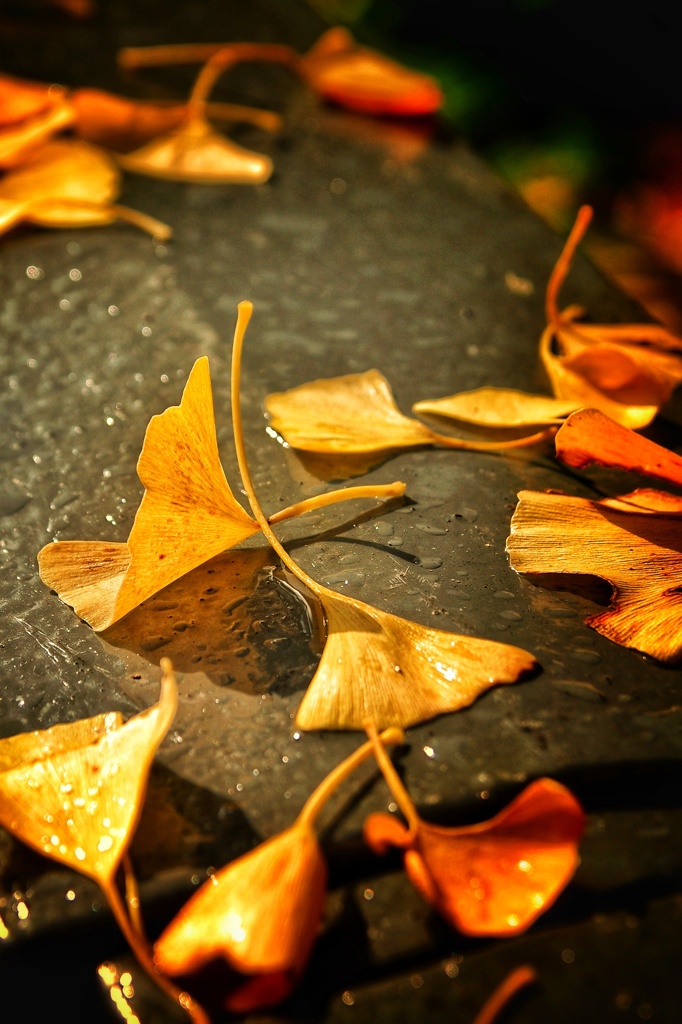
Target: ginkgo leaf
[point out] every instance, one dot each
(498, 407)
(261, 913)
(378, 666)
(375, 665)
(634, 542)
(187, 515)
(336, 68)
(356, 414)
(74, 792)
(590, 437)
(69, 183)
(21, 99)
(495, 878)
(196, 152)
(362, 79)
(627, 371)
(17, 140)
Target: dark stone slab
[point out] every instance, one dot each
(373, 245)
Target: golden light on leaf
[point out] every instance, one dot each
(627, 371)
(18, 140)
(356, 415)
(498, 408)
(633, 541)
(261, 913)
(376, 665)
(187, 515)
(74, 792)
(69, 183)
(362, 79)
(21, 99)
(196, 152)
(590, 437)
(494, 878)
(396, 672)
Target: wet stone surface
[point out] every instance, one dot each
(362, 251)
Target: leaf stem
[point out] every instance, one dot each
(445, 441)
(383, 491)
(226, 57)
(244, 311)
(515, 980)
(562, 265)
(393, 780)
(144, 957)
(331, 782)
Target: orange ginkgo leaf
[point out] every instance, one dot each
(17, 140)
(188, 514)
(336, 68)
(494, 878)
(634, 541)
(627, 370)
(356, 414)
(376, 665)
(498, 408)
(590, 437)
(362, 79)
(68, 183)
(261, 913)
(21, 99)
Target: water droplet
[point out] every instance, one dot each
(34, 273)
(568, 956)
(348, 998)
(430, 563)
(437, 531)
(586, 655)
(75, 274)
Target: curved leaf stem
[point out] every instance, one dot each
(331, 782)
(562, 265)
(226, 57)
(515, 980)
(393, 780)
(382, 491)
(143, 954)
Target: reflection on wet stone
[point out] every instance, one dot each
(230, 618)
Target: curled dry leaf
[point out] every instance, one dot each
(187, 515)
(376, 665)
(493, 878)
(628, 371)
(634, 541)
(590, 437)
(260, 914)
(68, 183)
(356, 415)
(362, 79)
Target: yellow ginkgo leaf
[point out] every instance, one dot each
(187, 515)
(69, 183)
(396, 672)
(375, 665)
(498, 408)
(628, 371)
(357, 415)
(74, 792)
(196, 152)
(634, 542)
